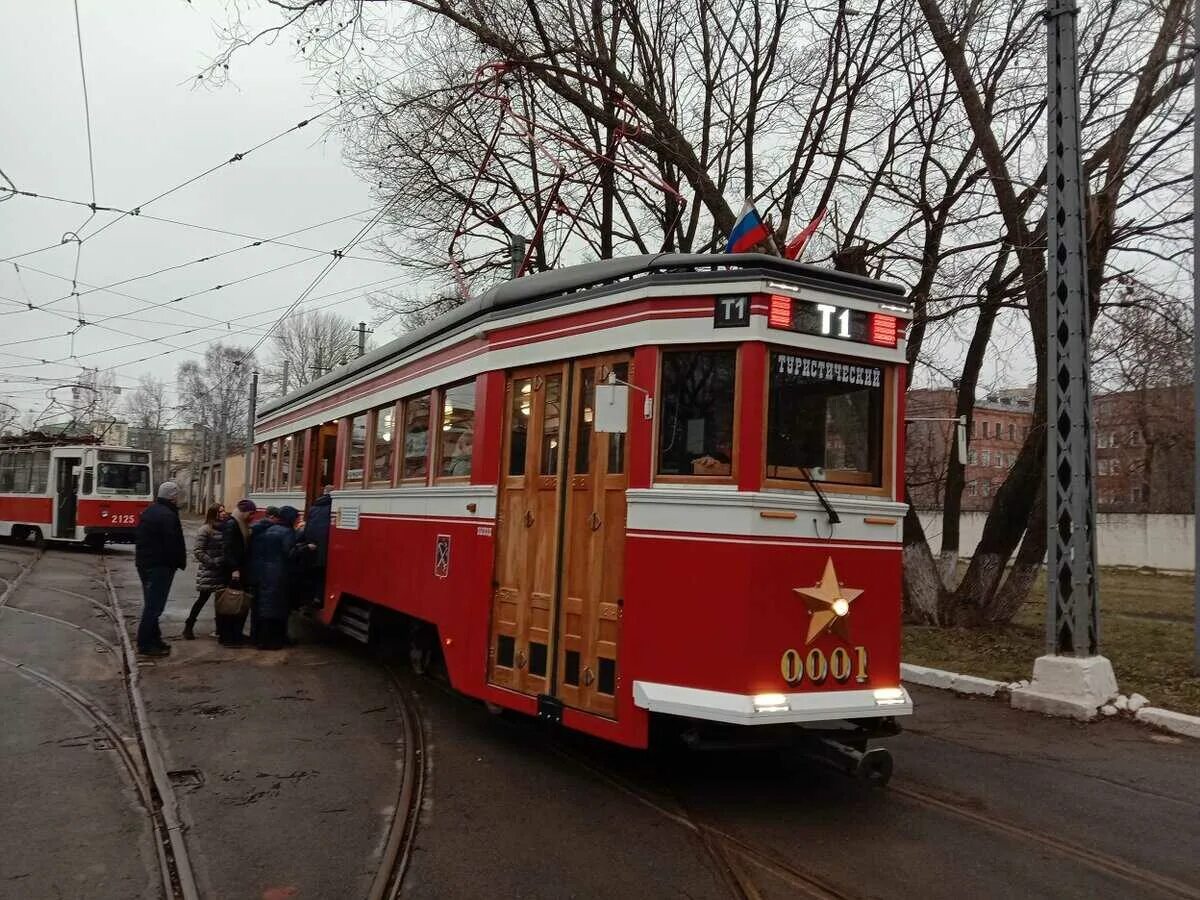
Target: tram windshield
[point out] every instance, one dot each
(825, 416)
(122, 478)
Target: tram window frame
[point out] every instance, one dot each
(401, 478)
(287, 449)
(347, 482)
(372, 437)
(661, 405)
(7, 470)
(36, 487)
(438, 476)
(260, 466)
(299, 451)
(22, 471)
(887, 438)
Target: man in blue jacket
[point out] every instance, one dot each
(315, 536)
(160, 551)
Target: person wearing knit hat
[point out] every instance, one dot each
(159, 551)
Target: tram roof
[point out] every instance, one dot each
(571, 284)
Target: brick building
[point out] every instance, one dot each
(997, 428)
(1145, 460)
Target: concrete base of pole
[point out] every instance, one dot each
(1070, 686)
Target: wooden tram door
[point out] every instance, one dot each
(594, 548)
(559, 540)
(527, 531)
(320, 471)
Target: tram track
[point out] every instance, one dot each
(135, 747)
(402, 828)
(727, 851)
(1135, 875)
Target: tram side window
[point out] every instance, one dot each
(695, 436)
(458, 430)
(22, 470)
(285, 463)
(7, 461)
(383, 444)
(273, 466)
(357, 454)
(260, 479)
(298, 448)
(827, 417)
(416, 438)
(41, 471)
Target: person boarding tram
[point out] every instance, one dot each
(209, 551)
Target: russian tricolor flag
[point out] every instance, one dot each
(747, 231)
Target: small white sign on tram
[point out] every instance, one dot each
(612, 408)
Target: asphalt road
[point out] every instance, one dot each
(287, 768)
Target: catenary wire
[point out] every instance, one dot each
(87, 111)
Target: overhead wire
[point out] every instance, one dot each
(87, 111)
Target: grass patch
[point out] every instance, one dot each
(1145, 630)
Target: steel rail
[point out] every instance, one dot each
(1122, 869)
(99, 639)
(389, 877)
(183, 879)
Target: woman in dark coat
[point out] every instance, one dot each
(315, 536)
(235, 563)
(209, 551)
(272, 565)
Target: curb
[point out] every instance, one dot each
(952, 681)
(1163, 719)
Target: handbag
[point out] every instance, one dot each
(232, 601)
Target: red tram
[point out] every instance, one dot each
(665, 488)
(72, 491)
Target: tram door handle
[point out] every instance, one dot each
(521, 659)
(528, 519)
(588, 676)
(594, 522)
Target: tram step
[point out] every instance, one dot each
(355, 620)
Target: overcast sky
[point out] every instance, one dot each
(151, 130)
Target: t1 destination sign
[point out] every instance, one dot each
(827, 320)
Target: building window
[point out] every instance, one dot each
(972, 458)
(458, 430)
(987, 488)
(382, 445)
(1012, 432)
(357, 452)
(416, 438)
(972, 489)
(1102, 441)
(986, 458)
(696, 400)
(1102, 466)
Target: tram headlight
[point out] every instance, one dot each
(892, 696)
(770, 703)
(841, 606)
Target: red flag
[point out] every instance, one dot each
(792, 251)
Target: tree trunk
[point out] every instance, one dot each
(923, 594)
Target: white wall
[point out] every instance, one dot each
(1122, 539)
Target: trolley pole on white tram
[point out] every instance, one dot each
(250, 410)
(1072, 678)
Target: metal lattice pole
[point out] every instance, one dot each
(1073, 613)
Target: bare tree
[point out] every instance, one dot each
(215, 394)
(598, 129)
(147, 406)
(311, 344)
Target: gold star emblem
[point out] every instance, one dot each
(829, 605)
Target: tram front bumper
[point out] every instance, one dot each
(771, 709)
